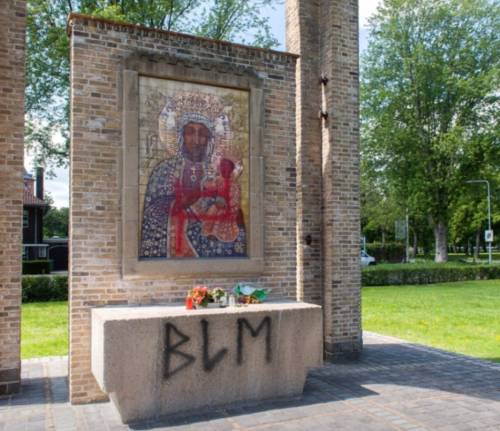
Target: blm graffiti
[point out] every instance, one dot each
(246, 333)
(194, 170)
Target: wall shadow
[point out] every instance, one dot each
(405, 365)
(417, 366)
(39, 390)
(289, 407)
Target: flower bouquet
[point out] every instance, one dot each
(247, 294)
(203, 297)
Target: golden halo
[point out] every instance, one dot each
(185, 104)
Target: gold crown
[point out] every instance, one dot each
(178, 107)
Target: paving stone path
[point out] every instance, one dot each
(394, 386)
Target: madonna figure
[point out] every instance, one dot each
(186, 197)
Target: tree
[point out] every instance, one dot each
(55, 222)
(430, 101)
(469, 219)
(47, 63)
(379, 206)
(231, 19)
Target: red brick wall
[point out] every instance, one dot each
(12, 31)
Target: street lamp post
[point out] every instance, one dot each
(489, 212)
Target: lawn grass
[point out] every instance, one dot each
(461, 317)
(44, 329)
(482, 256)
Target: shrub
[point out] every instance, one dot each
(387, 252)
(45, 288)
(410, 274)
(37, 266)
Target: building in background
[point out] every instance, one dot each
(35, 246)
(58, 252)
(34, 208)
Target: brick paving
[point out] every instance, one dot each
(395, 386)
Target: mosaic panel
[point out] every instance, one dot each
(194, 170)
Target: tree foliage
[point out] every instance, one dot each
(430, 102)
(47, 64)
(55, 222)
(380, 206)
(232, 19)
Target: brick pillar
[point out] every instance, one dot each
(325, 34)
(12, 33)
(302, 18)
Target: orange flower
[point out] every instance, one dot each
(200, 294)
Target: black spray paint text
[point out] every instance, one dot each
(175, 338)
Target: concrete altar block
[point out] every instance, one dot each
(159, 360)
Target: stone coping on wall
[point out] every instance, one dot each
(142, 30)
(132, 312)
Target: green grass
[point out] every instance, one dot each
(44, 329)
(461, 317)
(461, 258)
(482, 256)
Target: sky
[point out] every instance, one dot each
(58, 187)
(366, 9)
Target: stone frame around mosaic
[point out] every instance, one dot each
(207, 72)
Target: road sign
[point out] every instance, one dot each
(488, 235)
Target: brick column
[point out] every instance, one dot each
(302, 20)
(325, 35)
(12, 33)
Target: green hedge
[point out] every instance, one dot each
(45, 288)
(374, 276)
(387, 252)
(37, 266)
